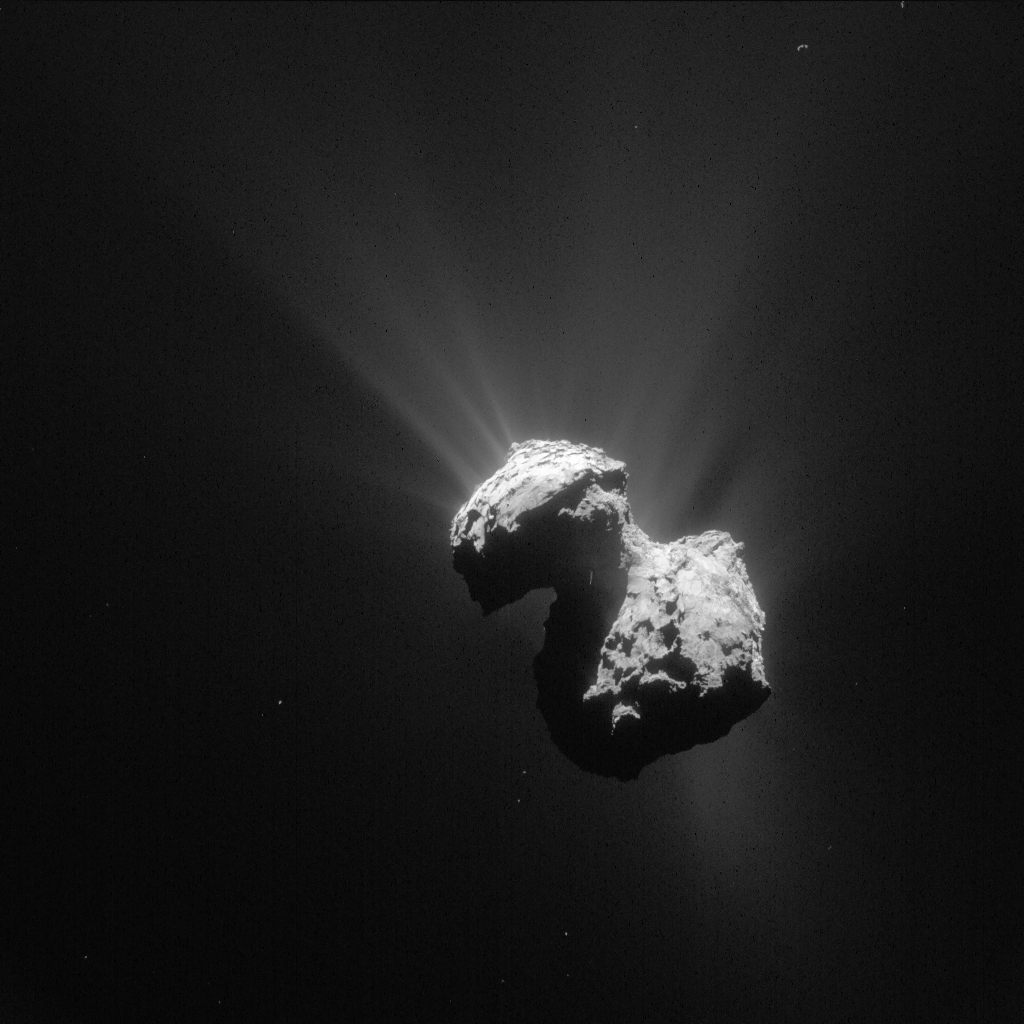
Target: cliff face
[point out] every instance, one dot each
(649, 648)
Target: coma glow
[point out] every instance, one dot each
(601, 272)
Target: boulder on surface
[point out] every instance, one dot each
(649, 648)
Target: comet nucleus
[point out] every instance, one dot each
(649, 648)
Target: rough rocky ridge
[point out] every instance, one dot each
(649, 648)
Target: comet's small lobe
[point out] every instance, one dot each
(649, 648)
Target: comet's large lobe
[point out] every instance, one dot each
(649, 648)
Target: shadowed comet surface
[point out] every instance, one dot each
(649, 648)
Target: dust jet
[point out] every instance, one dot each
(649, 648)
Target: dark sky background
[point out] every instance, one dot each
(283, 282)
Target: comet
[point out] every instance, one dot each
(650, 648)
